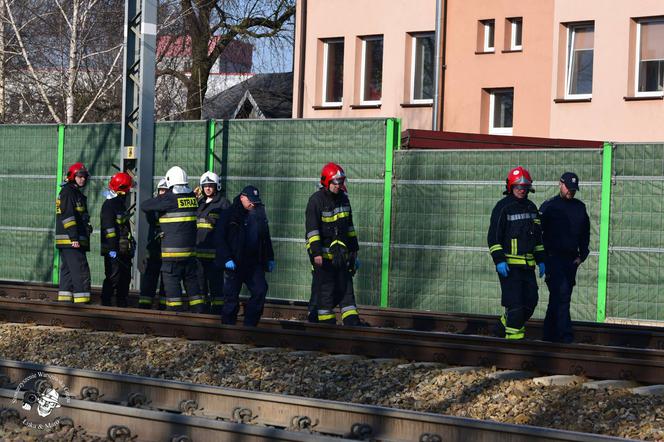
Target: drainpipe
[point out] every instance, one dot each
(439, 65)
(303, 50)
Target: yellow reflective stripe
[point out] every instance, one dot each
(80, 209)
(196, 301)
(348, 313)
(352, 234)
(539, 248)
(70, 224)
(333, 218)
(65, 297)
(62, 241)
(209, 255)
(81, 299)
(177, 254)
(204, 226)
(495, 247)
(336, 241)
(537, 221)
(178, 219)
(217, 302)
(313, 239)
(111, 235)
(326, 317)
(328, 256)
(515, 249)
(173, 303)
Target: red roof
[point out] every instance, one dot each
(237, 52)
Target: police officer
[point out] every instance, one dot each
(72, 236)
(176, 211)
(152, 268)
(117, 244)
(210, 205)
(566, 234)
(331, 242)
(515, 244)
(244, 251)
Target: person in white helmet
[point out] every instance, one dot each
(176, 211)
(210, 205)
(152, 266)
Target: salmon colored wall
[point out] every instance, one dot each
(351, 19)
(608, 116)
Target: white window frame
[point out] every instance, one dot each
(514, 24)
(492, 104)
(487, 25)
(364, 66)
(568, 60)
(637, 68)
(326, 43)
(412, 68)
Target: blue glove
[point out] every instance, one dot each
(113, 254)
(503, 269)
(542, 269)
(230, 265)
(270, 266)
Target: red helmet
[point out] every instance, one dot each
(120, 182)
(76, 169)
(332, 173)
(519, 176)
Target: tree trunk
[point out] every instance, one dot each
(72, 65)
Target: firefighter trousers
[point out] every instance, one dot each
(560, 279)
(253, 276)
(74, 276)
(210, 279)
(149, 281)
(332, 287)
(175, 273)
(519, 297)
(118, 276)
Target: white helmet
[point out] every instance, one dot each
(210, 178)
(162, 184)
(176, 176)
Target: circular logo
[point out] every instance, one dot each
(42, 393)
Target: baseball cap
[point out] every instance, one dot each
(570, 180)
(252, 193)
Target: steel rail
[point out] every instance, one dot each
(642, 365)
(121, 423)
(618, 335)
(313, 416)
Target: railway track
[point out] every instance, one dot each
(153, 409)
(616, 335)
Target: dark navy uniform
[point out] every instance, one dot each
(243, 236)
(515, 237)
(177, 220)
(210, 279)
(152, 269)
(116, 237)
(330, 233)
(566, 229)
(73, 224)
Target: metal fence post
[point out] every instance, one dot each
(604, 221)
(392, 142)
(55, 277)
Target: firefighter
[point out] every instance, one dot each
(72, 236)
(566, 235)
(117, 243)
(210, 204)
(515, 244)
(244, 251)
(152, 267)
(176, 211)
(331, 242)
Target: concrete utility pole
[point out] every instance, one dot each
(137, 136)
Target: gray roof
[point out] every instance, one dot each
(268, 95)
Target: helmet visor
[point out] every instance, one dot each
(338, 181)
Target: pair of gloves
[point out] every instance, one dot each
(230, 265)
(503, 269)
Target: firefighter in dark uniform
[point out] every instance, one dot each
(210, 204)
(244, 251)
(117, 246)
(177, 219)
(566, 235)
(331, 242)
(515, 244)
(72, 237)
(152, 267)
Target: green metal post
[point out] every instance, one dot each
(55, 277)
(392, 142)
(604, 220)
(210, 146)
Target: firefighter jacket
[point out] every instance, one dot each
(329, 221)
(115, 229)
(515, 233)
(207, 217)
(177, 221)
(72, 219)
(232, 233)
(154, 235)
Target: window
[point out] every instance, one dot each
(488, 28)
(516, 33)
(501, 103)
(579, 77)
(371, 80)
(422, 68)
(650, 61)
(333, 72)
